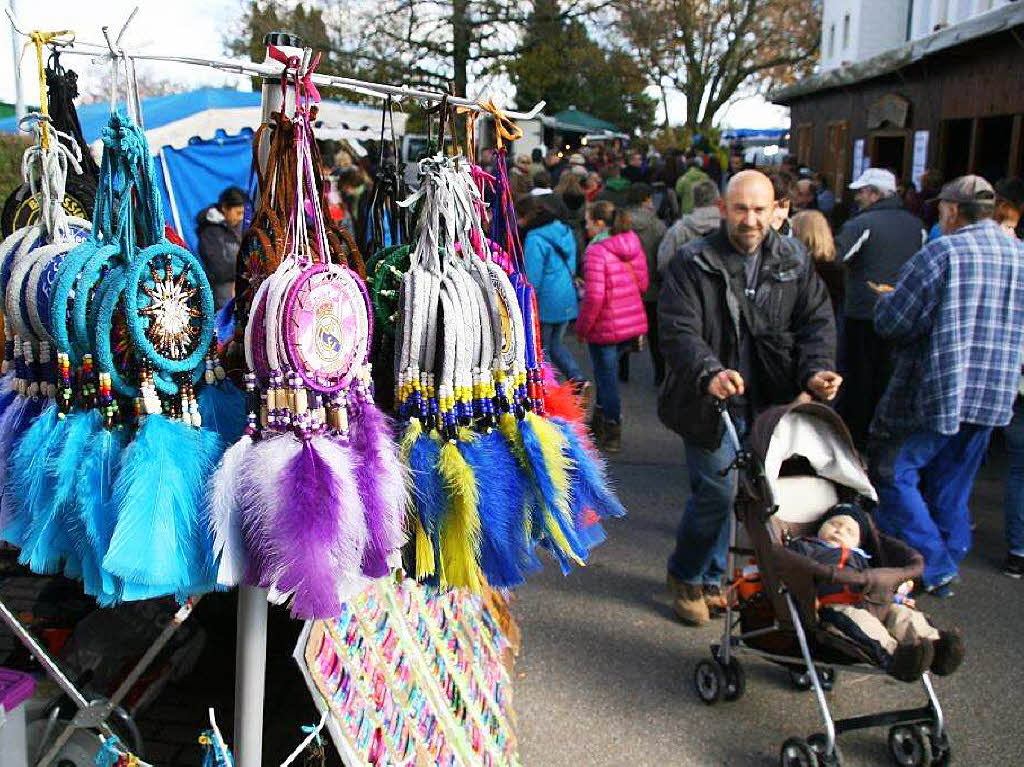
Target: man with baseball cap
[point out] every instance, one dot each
(873, 245)
(956, 321)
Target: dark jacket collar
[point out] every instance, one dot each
(776, 251)
(892, 202)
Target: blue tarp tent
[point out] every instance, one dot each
(202, 142)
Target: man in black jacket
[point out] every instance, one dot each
(873, 245)
(743, 317)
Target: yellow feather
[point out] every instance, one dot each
(425, 565)
(552, 444)
(460, 528)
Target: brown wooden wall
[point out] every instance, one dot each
(980, 79)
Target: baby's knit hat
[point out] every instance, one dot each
(849, 510)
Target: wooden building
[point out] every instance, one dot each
(952, 100)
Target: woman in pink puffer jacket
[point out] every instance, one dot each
(612, 312)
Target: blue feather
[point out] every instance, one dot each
(95, 507)
(590, 482)
(32, 488)
(222, 408)
(63, 465)
(549, 494)
(503, 549)
(18, 416)
(428, 492)
(159, 494)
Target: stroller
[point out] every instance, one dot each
(801, 463)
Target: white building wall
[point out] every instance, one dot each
(876, 26)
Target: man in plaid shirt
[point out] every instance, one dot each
(956, 318)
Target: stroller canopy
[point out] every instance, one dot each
(818, 434)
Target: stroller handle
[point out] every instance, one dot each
(730, 427)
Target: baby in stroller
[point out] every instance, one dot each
(895, 636)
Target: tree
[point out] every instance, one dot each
(150, 85)
(710, 49)
(562, 65)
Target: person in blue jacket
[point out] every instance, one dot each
(549, 249)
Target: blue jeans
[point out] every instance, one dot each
(1014, 434)
(702, 537)
(606, 378)
(551, 336)
(924, 481)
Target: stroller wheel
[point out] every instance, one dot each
(801, 680)
(709, 680)
(735, 680)
(942, 753)
(910, 746)
(817, 742)
(797, 753)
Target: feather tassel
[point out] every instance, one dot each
(562, 401)
(225, 516)
(15, 420)
(320, 528)
(63, 466)
(429, 498)
(158, 497)
(383, 486)
(222, 409)
(32, 488)
(504, 550)
(460, 526)
(590, 481)
(95, 504)
(542, 444)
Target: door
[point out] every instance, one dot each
(837, 158)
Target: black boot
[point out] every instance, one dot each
(910, 661)
(597, 427)
(949, 652)
(612, 436)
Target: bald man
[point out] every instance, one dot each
(744, 319)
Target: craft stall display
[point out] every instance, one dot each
(137, 457)
(412, 675)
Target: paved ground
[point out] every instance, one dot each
(604, 677)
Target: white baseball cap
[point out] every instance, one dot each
(879, 178)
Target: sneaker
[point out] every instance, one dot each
(688, 601)
(1014, 566)
(714, 598)
(910, 661)
(949, 652)
(943, 588)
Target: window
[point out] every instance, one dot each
(832, 41)
(846, 31)
(804, 137)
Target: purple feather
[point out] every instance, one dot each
(382, 486)
(319, 529)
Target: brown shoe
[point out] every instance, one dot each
(612, 437)
(583, 392)
(714, 597)
(688, 602)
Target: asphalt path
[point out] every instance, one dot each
(604, 676)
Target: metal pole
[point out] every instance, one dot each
(251, 629)
(19, 100)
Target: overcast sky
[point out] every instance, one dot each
(197, 28)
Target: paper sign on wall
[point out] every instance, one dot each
(920, 157)
(858, 158)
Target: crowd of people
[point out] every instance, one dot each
(903, 308)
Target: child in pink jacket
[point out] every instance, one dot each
(612, 314)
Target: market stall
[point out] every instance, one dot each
(377, 448)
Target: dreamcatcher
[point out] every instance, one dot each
(107, 480)
(483, 497)
(311, 499)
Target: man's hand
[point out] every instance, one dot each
(725, 384)
(880, 287)
(825, 384)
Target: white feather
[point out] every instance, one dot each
(225, 514)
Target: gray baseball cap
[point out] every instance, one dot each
(968, 189)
